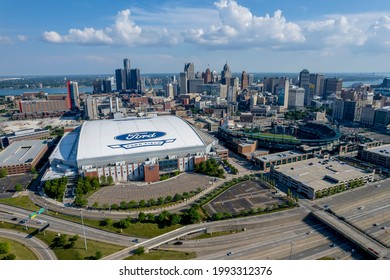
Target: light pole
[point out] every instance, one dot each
(291, 250)
(82, 222)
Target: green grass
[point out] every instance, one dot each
(215, 234)
(326, 258)
(163, 255)
(19, 250)
(142, 230)
(78, 252)
(20, 201)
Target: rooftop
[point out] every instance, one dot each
(21, 152)
(318, 173)
(279, 156)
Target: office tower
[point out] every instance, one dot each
(296, 97)
(107, 86)
(92, 108)
(169, 91)
(338, 109)
(269, 84)
(207, 76)
(135, 80)
(120, 78)
(126, 68)
(319, 87)
(244, 80)
(332, 85)
(73, 95)
(304, 81)
(190, 70)
(126, 64)
(193, 85)
(386, 83)
(250, 79)
(282, 91)
(97, 86)
(183, 82)
(226, 75)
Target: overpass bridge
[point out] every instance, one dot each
(362, 240)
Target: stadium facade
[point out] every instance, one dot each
(133, 148)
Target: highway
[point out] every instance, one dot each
(63, 226)
(38, 247)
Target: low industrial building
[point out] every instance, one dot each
(267, 161)
(21, 156)
(375, 154)
(318, 177)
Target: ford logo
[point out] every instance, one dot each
(142, 135)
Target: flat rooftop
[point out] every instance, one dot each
(381, 150)
(319, 173)
(279, 156)
(21, 152)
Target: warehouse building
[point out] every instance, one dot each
(318, 177)
(21, 156)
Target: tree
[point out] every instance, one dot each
(103, 180)
(33, 170)
(98, 255)
(58, 241)
(9, 257)
(18, 187)
(3, 172)
(4, 247)
(110, 180)
(175, 219)
(139, 251)
(141, 217)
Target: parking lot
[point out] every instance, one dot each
(185, 182)
(7, 185)
(244, 196)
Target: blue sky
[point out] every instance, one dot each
(92, 37)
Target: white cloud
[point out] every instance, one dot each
(123, 32)
(22, 38)
(379, 35)
(240, 28)
(5, 40)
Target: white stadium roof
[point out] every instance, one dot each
(132, 137)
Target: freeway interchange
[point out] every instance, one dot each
(291, 234)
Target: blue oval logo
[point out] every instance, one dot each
(139, 136)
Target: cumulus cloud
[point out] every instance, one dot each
(124, 31)
(238, 26)
(5, 40)
(22, 38)
(379, 34)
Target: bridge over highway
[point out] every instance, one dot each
(360, 239)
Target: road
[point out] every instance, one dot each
(63, 226)
(38, 247)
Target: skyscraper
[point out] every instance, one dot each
(97, 86)
(120, 79)
(207, 76)
(304, 82)
(73, 95)
(332, 85)
(135, 80)
(226, 74)
(190, 70)
(183, 82)
(92, 108)
(282, 91)
(107, 86)
(126, 68)
(244, 80)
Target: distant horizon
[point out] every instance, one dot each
(176, 73)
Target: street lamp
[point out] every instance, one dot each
(291, 250)
(82, 222)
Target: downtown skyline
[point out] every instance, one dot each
(92, 37)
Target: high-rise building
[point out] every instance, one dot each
(244, 80)
(169, 91)
(127, 70)
(73, 95)
(296, 97)
(332, 86)
(183, 82)
(120, 78)
(193, 85)
(190, 70)
(226, 75)
(135, 80)
(97, 86)
(282, 91)
(91, 108)
(304, 82)
(250, 79)
(107, 86)
(207, 76)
